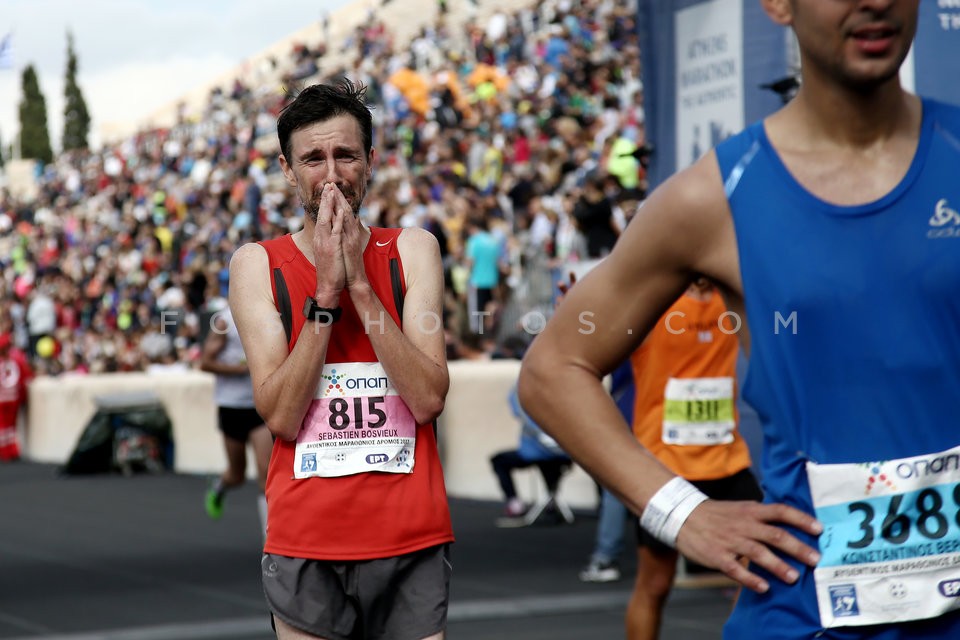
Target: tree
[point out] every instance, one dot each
(34, 137)
(76, 118)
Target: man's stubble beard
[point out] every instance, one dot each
(311, 209)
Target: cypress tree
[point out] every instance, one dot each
(34, 136)
(76, 118)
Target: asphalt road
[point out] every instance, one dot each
(135, 558)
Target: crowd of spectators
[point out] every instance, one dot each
(525, 126)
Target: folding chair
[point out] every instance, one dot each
(553, 472)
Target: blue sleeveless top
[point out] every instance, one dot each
(854, 316)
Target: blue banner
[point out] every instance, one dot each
(704, 64)
(936, 51)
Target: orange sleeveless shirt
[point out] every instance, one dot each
(685, 377)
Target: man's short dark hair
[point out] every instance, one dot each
(321, 102)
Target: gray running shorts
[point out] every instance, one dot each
(399, 598)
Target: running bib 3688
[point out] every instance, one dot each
(356, 423)
(891, 541)
(698, 411)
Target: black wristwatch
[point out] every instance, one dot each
(323, 315)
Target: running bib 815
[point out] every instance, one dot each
(356, 423)
(698, 411)
(891, 541)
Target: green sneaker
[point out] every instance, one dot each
(214, 503)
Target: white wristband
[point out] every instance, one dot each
(669, 508)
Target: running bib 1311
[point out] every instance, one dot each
(698, 411)
(891, 541)
(356, 423)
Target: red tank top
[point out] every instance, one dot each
(364, 515)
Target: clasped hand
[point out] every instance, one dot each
(337, 244)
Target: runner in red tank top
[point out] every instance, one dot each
(349, 376)
(15, 373)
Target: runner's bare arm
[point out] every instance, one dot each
(284, 383)
(415, 358)
(213, 344)
(683, 229)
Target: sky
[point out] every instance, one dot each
(136, 56)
